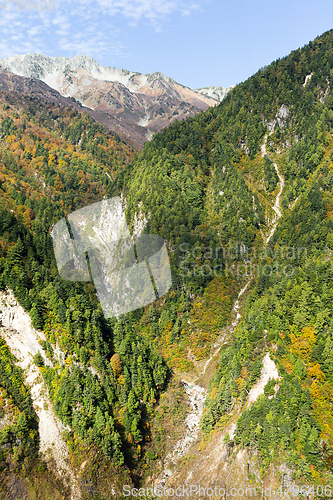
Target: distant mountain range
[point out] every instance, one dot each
(133, 104)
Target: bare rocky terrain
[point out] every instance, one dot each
(23, 341)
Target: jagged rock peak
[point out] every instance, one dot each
(217, 93)
(47, 68)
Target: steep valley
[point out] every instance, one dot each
(226, 380)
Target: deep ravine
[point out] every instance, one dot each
(196, 394)
(276, 207)
(23, 341)
(196, 397)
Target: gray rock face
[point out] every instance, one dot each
(217, 93)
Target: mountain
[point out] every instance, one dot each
(246, 190)
(18, 89)
(226, 381)
(134, 104)
(53, 159)
(217, 93)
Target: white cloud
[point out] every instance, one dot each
(150, 9)
(153, 10)
(34, 31)
(84, 26)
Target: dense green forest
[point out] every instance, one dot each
(216, 189)
(205, 186)
(45, 174)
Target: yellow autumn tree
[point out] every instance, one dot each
(316, 373)
(116, 365)
(302, 342)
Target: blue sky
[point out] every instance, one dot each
(198, 43)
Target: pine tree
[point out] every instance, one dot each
(36, 317)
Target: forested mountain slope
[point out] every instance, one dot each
(216, 190)
(53, 161)
(206, 187)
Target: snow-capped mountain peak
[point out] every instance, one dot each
(53, 70)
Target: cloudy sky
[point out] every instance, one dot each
(198, 43)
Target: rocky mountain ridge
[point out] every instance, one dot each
(217, 93)
(134, 104)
